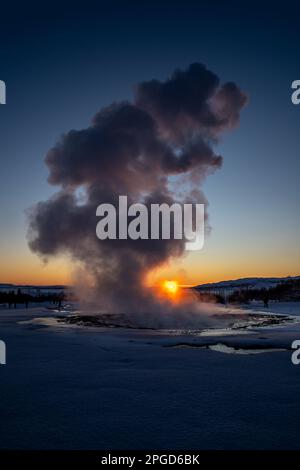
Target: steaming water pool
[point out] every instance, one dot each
(243, 324)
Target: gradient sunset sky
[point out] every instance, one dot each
(63, 65)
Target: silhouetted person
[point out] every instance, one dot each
(266, 302)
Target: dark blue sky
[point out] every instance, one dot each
(62, 63)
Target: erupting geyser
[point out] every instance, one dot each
(156, 149)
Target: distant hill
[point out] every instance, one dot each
(245, 283)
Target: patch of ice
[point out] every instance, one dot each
(220, 347)
(46, 321)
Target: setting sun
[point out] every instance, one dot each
(170, 286)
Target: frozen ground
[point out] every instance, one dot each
(69, 386)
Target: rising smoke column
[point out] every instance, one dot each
(133, 149)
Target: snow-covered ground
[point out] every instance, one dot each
(284, 308)
(117, 388)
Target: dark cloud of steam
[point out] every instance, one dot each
(191, 104)
(133, 149)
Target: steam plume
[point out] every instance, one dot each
(137, 149)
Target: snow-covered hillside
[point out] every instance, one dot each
(245, 283)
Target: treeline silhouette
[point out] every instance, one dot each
(12, 298)
(283, 291)
(287, 290)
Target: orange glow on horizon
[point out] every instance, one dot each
(30, 270)
(19, 266)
